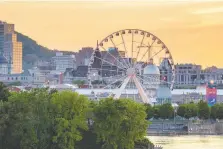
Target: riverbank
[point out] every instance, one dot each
(189, 141)
(169, 127)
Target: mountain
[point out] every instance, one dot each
(33, 52)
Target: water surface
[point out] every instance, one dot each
(188, 142)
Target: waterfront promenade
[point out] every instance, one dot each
(188, 142)
(184, 127)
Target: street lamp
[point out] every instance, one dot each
(175, 106)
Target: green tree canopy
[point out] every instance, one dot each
(25, 121)
(166, 111)
(203, 110)
(156, 111)
(78, 82)
(119, 123)
(149, 111)
(69, 116)
(217, 111)
(4, 92)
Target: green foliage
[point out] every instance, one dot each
(144, 144)
(65, 120)
(17, 83)
(217, 111)
(187, 110)
(69, 115)
(203, 110)
(182, 109)
(4, 92)
(52, 91)
(96, 82)
(156, 111)
(89, 141)
(78, 82)
(25, 121)
(166, 111)
(119, 123)
(149, 111)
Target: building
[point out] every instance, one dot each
(191, 75)
(62, 62)
(3, 65)
(11, 48)
(83, 56)
(5, 28)
(24, 78)
(187, 75)
(40, 74)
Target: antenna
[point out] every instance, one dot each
(97, 44)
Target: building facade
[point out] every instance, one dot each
(83, 56)
(11, 48)
(62, 62)
(3, 65)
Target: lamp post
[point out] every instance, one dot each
(175, 106)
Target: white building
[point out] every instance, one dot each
(62, 62)
(151, 80)
(24, 78)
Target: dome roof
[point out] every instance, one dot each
(151, 70)
(3, 60)
(163, 93)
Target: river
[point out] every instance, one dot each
(188, 142)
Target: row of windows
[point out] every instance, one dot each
(17, 78)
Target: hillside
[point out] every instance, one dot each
(32, 51)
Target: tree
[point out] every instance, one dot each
(203, 110)
(4, 92)
(219, 114)
(192, 110)
(25, 121)
(188, 110)
(217, 111)
(79, 83)
(69, 118)
(52, 91)
(182, 109)
(17, 83)
(166, 111)
(156, 111)
(119, 123)
(149, 111)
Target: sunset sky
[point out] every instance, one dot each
(193, 31)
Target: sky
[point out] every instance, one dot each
(191, 29)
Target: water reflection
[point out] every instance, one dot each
(188, 142)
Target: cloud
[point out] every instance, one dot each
(209, 10)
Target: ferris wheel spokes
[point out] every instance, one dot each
(141, 91)
(125, 50)
(122, 78)
(118, 51)
(125, 66)
(120, 90)
(139, 48)
(126, 63)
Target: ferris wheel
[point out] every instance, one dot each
(133, 63)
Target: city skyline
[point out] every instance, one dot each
(193, 34)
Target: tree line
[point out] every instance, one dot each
(40, 119)
(200, 110)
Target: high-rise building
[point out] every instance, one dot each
(4, 29)
(62, 62)
(11, 48)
